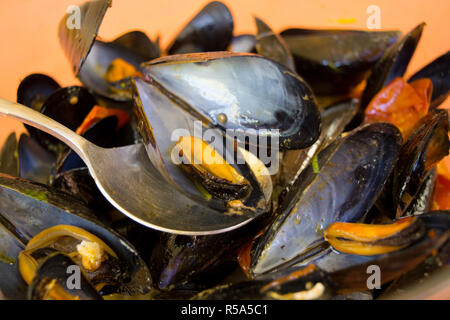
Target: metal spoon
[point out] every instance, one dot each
(124, 175)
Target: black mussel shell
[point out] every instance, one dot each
(210, 30)
(9, 156)
(353, 277)
(27, 208)
(424, 148)
(271, 45)
(56, 271)
(35, 162)
(352, 172)
(438, 71)
(392, 64)
(96, 65)
(69, 106)
(77, 42)
(244, 43)
(35, 89)
(138, 43)
(335, 61)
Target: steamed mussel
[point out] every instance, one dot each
(326, 160)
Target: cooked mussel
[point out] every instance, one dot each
(208, 168)
(392, 64)
(335, 61)
(210, 30)
(163, 123)
(100, 264)
(438, 71)
(352, 172)
(420, 236)
(239, 91)
(35, 89)
(419, 154)
(28, 208)
(94, 61)
(69, 106)
(362, 239)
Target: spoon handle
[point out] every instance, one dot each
(44, 123)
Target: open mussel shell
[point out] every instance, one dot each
(94, 70)
(243, 43)
(91, 58)
(392, 64)
(438, 71)
(27, 208)
(163, 123)
(52, 278)
(139, 43)
(352, 172)
(35, 89)
(77, 41)
(349, 271)
(35, 162)
(305, 283)
(270, 44)
(210, 30)
(335, 61)
(423, 149)
(9, 156)
(69, 106)
(240, 91)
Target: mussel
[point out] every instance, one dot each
(391, 64)
(210, 30)
(352, 172)
(93, 60)
(335, 61)
(419, 154)
(438, 72)
(239, 91)
(28, 208)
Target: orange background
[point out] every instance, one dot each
(29, 43)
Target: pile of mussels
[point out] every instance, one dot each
(359, 180)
